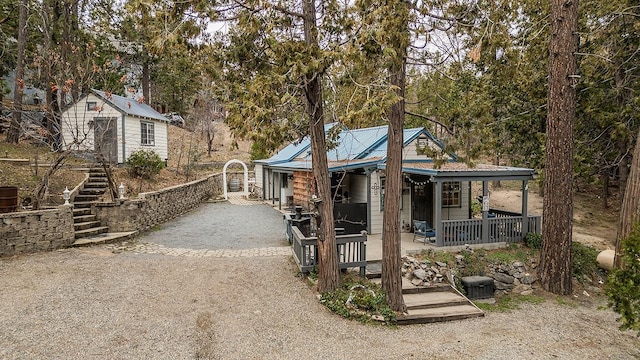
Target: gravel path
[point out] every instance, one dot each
(222, 225)
(96, 303)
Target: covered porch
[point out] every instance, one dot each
(450, 186)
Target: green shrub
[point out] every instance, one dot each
(533, 240)
(583, 260)
(623, 284)
(144, 164)
(360, 299)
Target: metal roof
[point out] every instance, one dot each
(460, 171)
(293, 150)
(130, 106)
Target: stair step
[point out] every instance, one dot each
(86, 198)
(83, 218)
(433, 300)
(91, 232)
(83, 204)
(97, 184)
(411, 289)
(86, 225)
(91, 191)
(103, 238)
(447, 313)
(81, 211)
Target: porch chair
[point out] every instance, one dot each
(423, 231)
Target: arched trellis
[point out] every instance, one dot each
(246, 177)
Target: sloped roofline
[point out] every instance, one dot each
(148, 111)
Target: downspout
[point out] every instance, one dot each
(124, 142)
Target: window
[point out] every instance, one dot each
(91, 105)
(147, 135)
(451, 194)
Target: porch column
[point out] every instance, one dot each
(485, 213)
(279, 191)
(525, 215)
(438, 215)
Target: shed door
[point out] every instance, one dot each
(105, 138)
(422, 200)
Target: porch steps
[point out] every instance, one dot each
(428, 304)
(104, 238)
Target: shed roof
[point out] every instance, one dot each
(457, 171)
(130, 106)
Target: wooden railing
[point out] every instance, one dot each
(352, 251)
(502, 228)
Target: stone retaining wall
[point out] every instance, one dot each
(154, 208)
(33, 231)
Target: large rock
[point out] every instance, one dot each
(502, 286)
(420, 274)
(528, 279)
(504, 278)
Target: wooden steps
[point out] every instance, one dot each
(436, 304)
(428, 304)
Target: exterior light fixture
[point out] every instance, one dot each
(121, 191)
(66, 195)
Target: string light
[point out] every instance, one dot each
(419, 183)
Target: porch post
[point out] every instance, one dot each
(525, 215)
(485, 213)
(438, 215)
(279, 191)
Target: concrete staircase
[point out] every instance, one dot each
(88, 229)
(428, 304)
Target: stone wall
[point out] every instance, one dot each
(154, 208)
(33, 231)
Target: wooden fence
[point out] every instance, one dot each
(352, 251)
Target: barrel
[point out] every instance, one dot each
(605, 259)
(234, 185)
(8, 199)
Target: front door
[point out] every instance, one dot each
(105, 139)
(422, 199)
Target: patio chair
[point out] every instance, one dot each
(423, 231)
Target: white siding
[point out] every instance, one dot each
(409, 152)
(133, 137)
(76, 128)
(76, 120)
(376, 211)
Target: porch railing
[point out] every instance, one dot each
(352, 251)
(502, 228)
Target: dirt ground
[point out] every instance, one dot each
(592, 225)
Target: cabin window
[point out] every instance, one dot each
(147, 133)
(91, 105)
(451, 194)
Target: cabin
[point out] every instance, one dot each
(113, 125)
(440, 195)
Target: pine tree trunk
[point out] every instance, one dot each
(391, 244)
(14, 130)
(630, 210)
(555, 257)
(328, 274)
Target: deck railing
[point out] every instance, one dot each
(352, 251)
(502, 228)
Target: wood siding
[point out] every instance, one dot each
(302, 188)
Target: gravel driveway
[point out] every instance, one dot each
(222, 225)
(103, 303)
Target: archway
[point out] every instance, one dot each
(246, 177)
